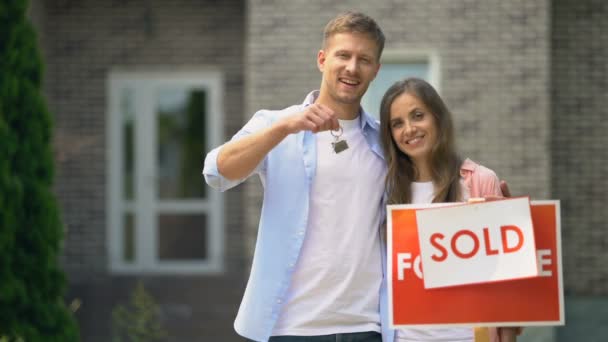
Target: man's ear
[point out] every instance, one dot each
(321, 60)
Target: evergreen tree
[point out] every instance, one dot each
(32, 284)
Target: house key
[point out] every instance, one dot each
(338, 145)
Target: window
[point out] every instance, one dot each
(397, 65)
(162, 218)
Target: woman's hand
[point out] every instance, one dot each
(504, 188)
(505, 334)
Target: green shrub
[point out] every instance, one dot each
(139, 320)
(32, 284)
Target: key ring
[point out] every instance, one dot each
(339, 132)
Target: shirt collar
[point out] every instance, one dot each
(366, 118)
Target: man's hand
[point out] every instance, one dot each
(315, 118)
(237, 159)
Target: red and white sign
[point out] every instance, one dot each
(477, 243)
(524, 302)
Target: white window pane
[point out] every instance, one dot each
(128, 229)
(128, 139)
(181, 141)
(390, 73)
(182, 237)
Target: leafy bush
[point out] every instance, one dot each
(139, 320)
(32, 284)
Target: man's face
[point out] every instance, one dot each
(349, 62)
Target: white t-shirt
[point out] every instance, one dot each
(423, 192)
(335, 285)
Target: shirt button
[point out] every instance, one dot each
(291, 265)
(279, 301)
(301, 232)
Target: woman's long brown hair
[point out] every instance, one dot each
(445, 162)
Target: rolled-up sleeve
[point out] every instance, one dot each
(214, 179)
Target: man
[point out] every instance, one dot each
(317, 267)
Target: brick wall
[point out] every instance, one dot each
(579, 124)
(84, 40)
(494, 71)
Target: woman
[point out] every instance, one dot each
(423, 167)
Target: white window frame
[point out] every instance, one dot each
(413, 55)
(146, 204)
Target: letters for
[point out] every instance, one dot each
(406, 262)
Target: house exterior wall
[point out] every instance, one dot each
(580, 162)
(83, 42)
(579, 139)
(493, 72)
(525, 80)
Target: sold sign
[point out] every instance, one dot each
(477, 243)
(533, 301)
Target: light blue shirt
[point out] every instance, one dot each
(286, 173)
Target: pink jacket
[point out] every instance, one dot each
(478, 180)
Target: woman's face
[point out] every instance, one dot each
(413, 127)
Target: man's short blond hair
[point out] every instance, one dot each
(349, 22)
